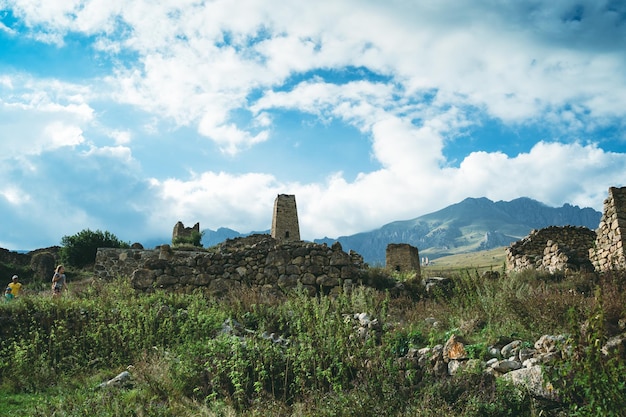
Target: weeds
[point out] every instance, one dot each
(317, 363)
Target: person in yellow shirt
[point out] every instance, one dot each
(15, 286)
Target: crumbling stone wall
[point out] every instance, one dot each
(402, 257)
(552, 249)
(608, 252)
(256, 261)
(285, 224)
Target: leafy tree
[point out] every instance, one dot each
(80, 249)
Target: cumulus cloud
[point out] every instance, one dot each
(413, 79)
(238, 201)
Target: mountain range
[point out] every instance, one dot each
(474, 224)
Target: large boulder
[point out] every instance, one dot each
(42, 264)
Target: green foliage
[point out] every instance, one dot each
(591, 382)
(401, 341)
(186, 361)
(79, 250)
(378, 278)
(194, 239)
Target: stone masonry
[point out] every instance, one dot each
(402, 257)
(552, 249)
(254, 261)
(608, 252)
(285, 225)
(574, 248)
(180, 231)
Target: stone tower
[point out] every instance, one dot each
(285, 220)
(180, 231)
(402, 257)
(609, 252)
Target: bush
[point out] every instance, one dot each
(590, 381)
(79, 250)
(195, 239)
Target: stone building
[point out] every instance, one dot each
(285, 225)
(180, 231)
(608, 252)
(574, 248)
(402, 257)
(552, 249)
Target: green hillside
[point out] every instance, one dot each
(492, 259)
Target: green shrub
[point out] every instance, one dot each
(590, 382)
(79, 250)
(194, 239)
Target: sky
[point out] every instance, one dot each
(128, 116)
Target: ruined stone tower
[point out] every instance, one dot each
(180, 231)
(402, 257)
(609, 251)
(285, 220)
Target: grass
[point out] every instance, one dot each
(491, 260)
(190, 355)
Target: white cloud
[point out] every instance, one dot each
(121, 137)
(59, 135)
(216, 199)
(41, 115)
(199, 61)
(4, 28)
(13, 195)
(121, 153)
(430, 70)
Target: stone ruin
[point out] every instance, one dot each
(568, 248)
(276, 262)
(285, 226)
(552, 249)
(608, 252)
(402, 257)
(180, 231)
(255, 261)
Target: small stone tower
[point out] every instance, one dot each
(180, 231)
(609, 251)
(403, 257)
(285, 225)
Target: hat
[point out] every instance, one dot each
(14, 277)
(8, 289)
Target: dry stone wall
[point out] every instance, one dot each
(608, 252)
(574, 248)
(255, 261)
(552, 249)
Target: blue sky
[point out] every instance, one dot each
(130, 115)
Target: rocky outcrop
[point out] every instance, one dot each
(34, 266)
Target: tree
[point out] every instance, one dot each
(79, 250)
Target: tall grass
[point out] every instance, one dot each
(201, 356)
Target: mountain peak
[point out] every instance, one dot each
(471, 225)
